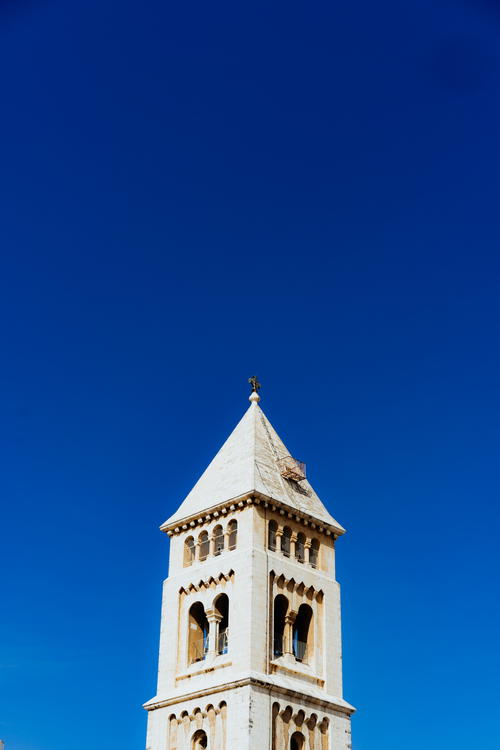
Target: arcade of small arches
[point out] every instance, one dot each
(294, 730)
(211, 545)
(199, 729)
(281, 538)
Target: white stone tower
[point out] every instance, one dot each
(250, 651)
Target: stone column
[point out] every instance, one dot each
(288, 633)
(307, 551)
(293, 541)
(214, 619)
(279, 534)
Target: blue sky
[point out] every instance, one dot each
(194, 193)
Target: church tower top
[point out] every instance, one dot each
(253, 465)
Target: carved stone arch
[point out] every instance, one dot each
(281, 607)
(211, 718)
(311, 727)
(223, 721)
(198, 717)
(290, 585)
(197, 632)
(303, 634)
(324, 728)
(310, 593)
(286, 715)
(297, 741)
(274, 727)
(189, 551)
(221, 611)
(319, 596)
(300, 588)
(199, 740)
(281, 581)
(299, 718)
(172, 732)
(186, 722)
(312, 721)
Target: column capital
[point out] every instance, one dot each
(213, 616)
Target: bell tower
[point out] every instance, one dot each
(250, 646)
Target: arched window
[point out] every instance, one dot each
(297, 741)
(285, 541)
(204, 545)
(232, 529)
(314, 553)
(218, 540)
(280, 610)
(222, 609)
(198, 633)
(188, 551)
(271, 534)
(300, 550)
(302, 634)
(199, 741)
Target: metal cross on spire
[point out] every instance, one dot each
(254, 383)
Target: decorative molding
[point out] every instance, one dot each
(243, 501)
(328, 702)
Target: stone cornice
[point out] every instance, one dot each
(243, 501)
(326, 702)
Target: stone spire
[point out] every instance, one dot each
(250, 464)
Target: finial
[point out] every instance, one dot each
(254, 396)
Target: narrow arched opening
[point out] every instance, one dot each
(232, 537)
(204, 545)
(302, 634)
(271, 535)
(198, 633)
(222, 609)
(286, 540)
(189, 551)
(218, 540)
(297, 741)
(314, 553)
(300, 548)
(280, 610)
(199, 741)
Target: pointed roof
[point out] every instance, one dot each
(246, 464)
